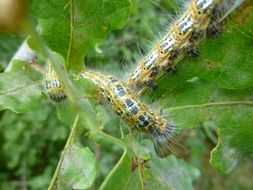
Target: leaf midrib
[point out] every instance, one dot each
(213, 104)
(71, 23)
(18, 88)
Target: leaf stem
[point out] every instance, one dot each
(110, 138)
(69, 142)
(232, 103)
(108, 177)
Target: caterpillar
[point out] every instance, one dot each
(52, 83)
(200, 17)
(182, 37)
(133, 112)
(53, 86)
(124, 102)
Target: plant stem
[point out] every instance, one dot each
(110, 138)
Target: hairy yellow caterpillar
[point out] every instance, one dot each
(128, 106)
(184, 34)
(53, 85)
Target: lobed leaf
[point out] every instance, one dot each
(72, 27)
(217, 87)
(137, 174)
(229, 110)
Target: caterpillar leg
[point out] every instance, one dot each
(214, 29)
(154, 71)
(169, 68)
(196, 35)
(193, 52)
(191, 49)
(174, 54)
(152, 85)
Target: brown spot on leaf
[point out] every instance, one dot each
(210, 64)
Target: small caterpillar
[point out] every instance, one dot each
(128, 106)
(184, 34)
(53, 85)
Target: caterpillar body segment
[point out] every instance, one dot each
(133, 112)
(200, 17)
(53, 85)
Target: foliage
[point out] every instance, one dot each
(81, 26)
(8, 45)
(208, 94)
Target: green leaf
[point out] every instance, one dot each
(134, 173)
(66, 112)
(235, 138)
(72, 27)
(121, 172)
(20, 89)
(230, 66)
(8, 45)
(141, 152)
(172, 172)
(230, 110)
(225, 59)
(216, 86)
(163, 174)
(78, 169)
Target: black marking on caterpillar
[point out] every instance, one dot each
(133, 112)
(53, 85)
(184, 34)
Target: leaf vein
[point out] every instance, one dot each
(232, 103)
(71, 3)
